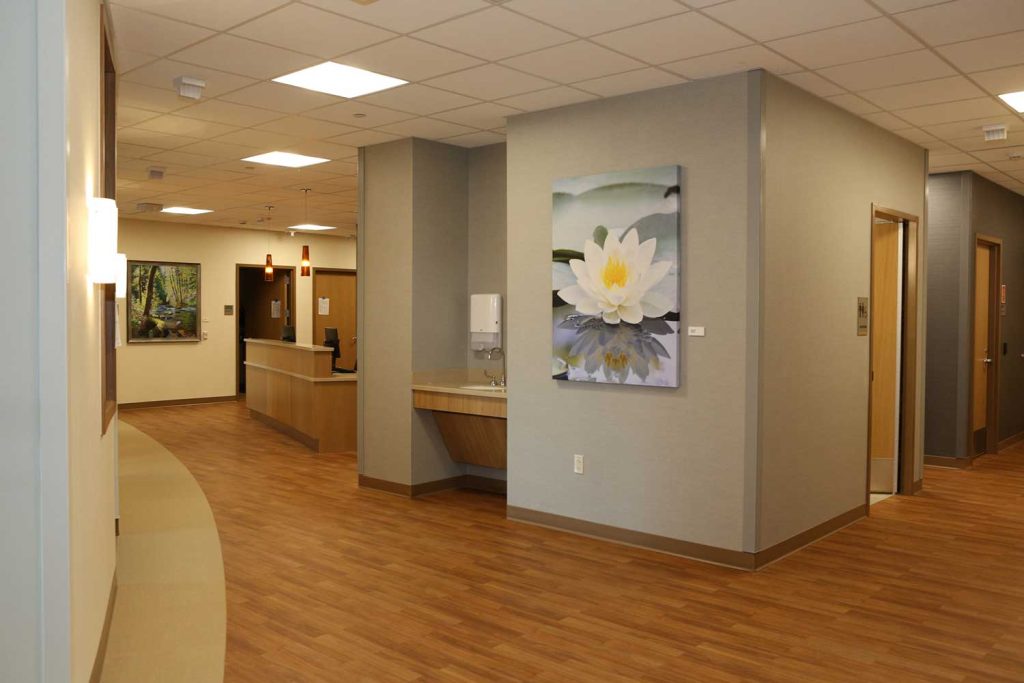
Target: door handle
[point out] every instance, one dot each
(986, 361)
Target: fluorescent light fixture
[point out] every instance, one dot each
(184, 210)
(311, 227)
(102, 240)
(340, 79)
(285, 159)
(1014, 99)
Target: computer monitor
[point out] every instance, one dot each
(288, 333)
(331, 339)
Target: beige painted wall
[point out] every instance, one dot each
(671, 462)
(207, 368)
(823, 169)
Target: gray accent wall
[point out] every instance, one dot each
(487, 229)
(670, 462)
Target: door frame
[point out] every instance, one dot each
(312, 286)
(907, 428)
(291, 307)
(995, 333)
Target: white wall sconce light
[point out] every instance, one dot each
(121, 284)
(102, 241)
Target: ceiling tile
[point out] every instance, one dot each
(672, 39)
(324, 150)
(418, 99)
(770, 19)
(893, 6)
(358, 114)
(813, 83)
(952, 111)
(150, 34)
(180, 125)
(733, 61)
(589, 17)
(247, 57)
(490, 82)
(572, 62)
(986, 53)
(182, 158)
(216, 175)
(161, 74)
(430, 129)
(265, 140)
(129, 116)
(892, 70)
(848, 43)
(408, 59)
(480, 139)
(364, 138)
(130, 151)
(1001, 154)
(852, 103)
(403, 16)
(494, 33)
(950, 159)
(964, 20)
(220, 150)
(279, 97)
(306, 128)
(972, 127)
(488, 115)
(977, 142)
(229, 113)
(633, 81)
(547, 99)
(312, 31)
(998, 81)
(886, 120)
(153, 99)
(215, 14)
(925, 92)
(915, 135)
(140, 136)
(126, 60)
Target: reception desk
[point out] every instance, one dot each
(291, 387)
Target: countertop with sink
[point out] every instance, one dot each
(457, 381)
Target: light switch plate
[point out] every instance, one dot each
(695, 331)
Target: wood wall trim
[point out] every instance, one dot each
(101, 649)
(918, 485)
(948, 461)
(306, 440)
(385, 486)
(465, 481)
(780, 550)
(176, 402)
(1011, 440)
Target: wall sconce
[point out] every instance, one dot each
(102, 240)
(305, 260)
(268, 270)
(121, 283)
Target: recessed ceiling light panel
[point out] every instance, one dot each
(285, 159)
(340, 79)
(185, 210)
(1014, 99)
(311, 227)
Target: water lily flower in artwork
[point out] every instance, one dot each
(615, 281)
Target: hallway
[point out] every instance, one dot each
(327, 582)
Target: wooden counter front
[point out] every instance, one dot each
(291, 387)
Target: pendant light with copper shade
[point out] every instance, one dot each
(304, 271)
(268, 270)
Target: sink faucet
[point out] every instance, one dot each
(496, 352)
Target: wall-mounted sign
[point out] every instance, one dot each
(323, 305)
(229, 309)
(275, 308)
(862, 316)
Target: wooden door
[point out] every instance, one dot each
(983, 346)
(886, 284)
(339, 288)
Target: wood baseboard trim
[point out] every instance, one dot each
(918, 486)
(176, 402)
(1011, 440)
(736, 559)
(305, 439)
(465, 481)
(816, 533)
(948, 462)
(101, 650)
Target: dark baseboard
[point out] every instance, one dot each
(1011, 440)
(918, 486)
(736, 559)
(948, 462)
(176, 402)
(465, 481)
(305, 439)
(101, 650)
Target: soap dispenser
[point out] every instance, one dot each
(484, 321)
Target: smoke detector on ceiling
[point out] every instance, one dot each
(155, 172)
(189, 87)
(994, 132)
(149, 207)
(364, 2)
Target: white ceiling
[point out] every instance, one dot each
(929, 70)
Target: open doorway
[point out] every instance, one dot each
(984, 404)
(264, 310)
(334, 307)
(893, 353)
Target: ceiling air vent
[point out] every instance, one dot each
(995, 132)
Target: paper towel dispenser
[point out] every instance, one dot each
(484, 321)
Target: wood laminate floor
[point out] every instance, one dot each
(327, 582)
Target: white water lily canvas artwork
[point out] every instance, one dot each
(615, 277)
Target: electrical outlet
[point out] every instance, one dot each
(577, 464)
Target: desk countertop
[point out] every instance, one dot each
(288, 345)
(458, 381)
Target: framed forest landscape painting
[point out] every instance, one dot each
(163, 302)
(615, 277)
